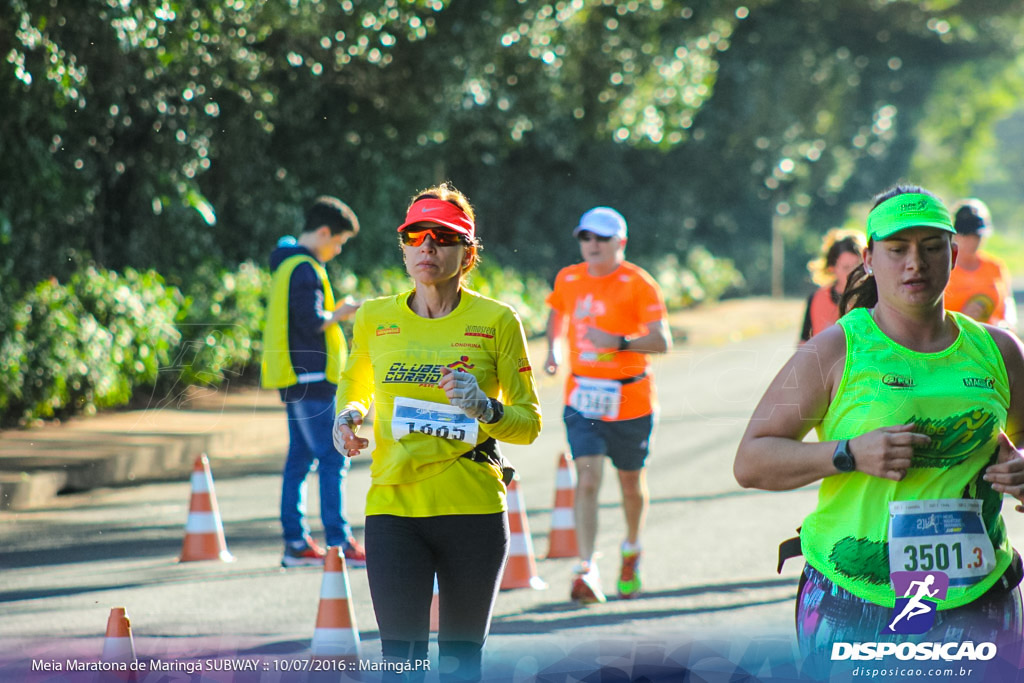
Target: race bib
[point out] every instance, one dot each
(412, 416)
(943, 535)
(595, 399)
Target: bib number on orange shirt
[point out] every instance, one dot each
(596, 399)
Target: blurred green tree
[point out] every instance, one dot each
(171, 135)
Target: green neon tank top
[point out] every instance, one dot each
(959, 397)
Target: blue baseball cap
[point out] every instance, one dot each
(603, 221)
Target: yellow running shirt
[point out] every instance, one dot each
(395, 362)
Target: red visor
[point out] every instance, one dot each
(439, 212)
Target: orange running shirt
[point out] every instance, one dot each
(823, 309)
(623, 303)
(988, 285)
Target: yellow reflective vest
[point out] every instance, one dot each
(277, 370)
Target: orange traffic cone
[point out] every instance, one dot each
(204, 532)
(335, 636)
(562, 539)
(435, 609)
(521, 568)
(118, 646)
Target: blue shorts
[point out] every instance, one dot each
(626, 442)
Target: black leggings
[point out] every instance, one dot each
(467, 552)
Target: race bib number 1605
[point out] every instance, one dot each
(412, 416)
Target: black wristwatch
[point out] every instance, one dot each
(624, 344)
(842, 458)
(496, 410)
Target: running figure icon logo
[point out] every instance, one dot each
(914, 612)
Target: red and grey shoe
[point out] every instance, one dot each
(355, 554)
(308, 554)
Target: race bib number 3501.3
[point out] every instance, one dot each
(412, 416)
(945, 535)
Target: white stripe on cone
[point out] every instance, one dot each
(335, 586)
(203, 523)
(514, 501)
(118, 650)
(564, 479)
(519, 545)
(563, 518)
(335, 642)
(201, 483)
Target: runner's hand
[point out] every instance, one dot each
(552, 363)
(976, 310)
(345, 440)
(886, 452)
(463, 392)
(346, 310)
(1007, 475)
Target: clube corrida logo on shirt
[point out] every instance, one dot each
(424, 374)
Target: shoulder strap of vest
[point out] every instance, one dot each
(296, 259)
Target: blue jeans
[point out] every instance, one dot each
(310, 422)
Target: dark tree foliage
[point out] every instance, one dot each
(170, 135)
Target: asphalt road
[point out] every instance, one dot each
(709, 563)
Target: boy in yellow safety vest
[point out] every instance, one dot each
(303, 354)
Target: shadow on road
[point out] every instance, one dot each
(577, 616)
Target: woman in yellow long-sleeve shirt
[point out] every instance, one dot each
(449, 372)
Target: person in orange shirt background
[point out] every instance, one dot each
(615, 316)
(840, 253)
(979, 285)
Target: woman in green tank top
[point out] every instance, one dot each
(916, 411)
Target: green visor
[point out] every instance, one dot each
(908, 211)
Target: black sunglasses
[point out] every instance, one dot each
(586, 236)
(442, 238)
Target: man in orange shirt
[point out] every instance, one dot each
(615, 316)
(979, 285)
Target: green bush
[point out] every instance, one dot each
(716, 275)
(139, 310)
(703, 279)
(56, 359)
(383, 282)
(222, 327)
(91, 344)
(525, 293)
